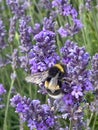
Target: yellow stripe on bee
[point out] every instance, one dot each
(59, 67)
(46, 84)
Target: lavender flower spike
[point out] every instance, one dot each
(2, 35)
(37, 116)
(95, 70)
(43, 55)
(69, 30)
(2, 90)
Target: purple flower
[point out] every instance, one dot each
(50, 122)
(75, 57)
(12, 28)
(20, 108)
(15, 59)
(15, 100)
(18, 7)
(94, 70)
(44, 36)
(88, 4)
(76, 60)
(64, 8)
(61, 6)
(2, 89)
(64, 32)
(77, 92)
(88, 85)
(41, 126)
(56, 3)
(24, 62)
(25, 34)
(77, 25)
(46, 4)
(2, 35)
(43, 55)
(49, 24)
(35, 30)
(32, 124)
(69, 10)
(69, 30)
(74, 13)
(68, 99)
(33, 113)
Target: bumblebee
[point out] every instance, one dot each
(52, 80)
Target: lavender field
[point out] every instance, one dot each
(36, 35)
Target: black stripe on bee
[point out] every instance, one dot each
(56, 92)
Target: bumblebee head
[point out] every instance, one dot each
(57, 69)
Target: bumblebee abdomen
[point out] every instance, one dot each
(56, 92)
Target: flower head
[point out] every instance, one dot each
(2, 35)
(77, 91)
(43, 55)
(49, 24)
(36, 115)
(95, 70)
(68, 99)
(46, 4)
(70, 30)
(88, 4)
(25, 34)
(2, 89)
(17, 7)
(64, 8)
(76, 60)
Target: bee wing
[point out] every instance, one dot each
(37, 78)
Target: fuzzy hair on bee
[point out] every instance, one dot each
(51, 78)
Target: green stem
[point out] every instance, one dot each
(40, 14)
(58, 44)
(7, 76)
(70, 125)
(35, 94)
(30, 90)
(93, 128)
(90, 119)
(7, 105)
(30, 12)
(21, 123)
